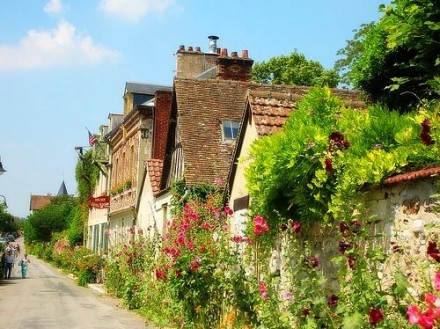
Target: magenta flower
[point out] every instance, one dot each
(263, 290)
(312, 261)
(260, 225)
(228, 211)
(287, 295)
(296, 226)
(433, 251)
(437, 281)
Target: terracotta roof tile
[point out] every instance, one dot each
(412, 175)
(155, 172)
(202, 105)
(39, 201)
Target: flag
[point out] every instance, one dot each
(92, 138)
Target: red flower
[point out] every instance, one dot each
(437, 281)
(344, 246)
(351, 262)
(283, 227)
(260, 226)
(376, 316)
(305, 311)
(328, 165)
(337, 141)
(312, 261)
(296, 226)
(332, 301)
(160, 274)
(433, 251)
(238, 239)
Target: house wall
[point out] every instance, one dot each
(239, 188)
(96, 239)
(402, 218)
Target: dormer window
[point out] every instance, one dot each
(230, 130)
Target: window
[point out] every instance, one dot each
(230, 130)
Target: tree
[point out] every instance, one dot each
(7, 221)
(55, 217)
(294, 69)
(397, 59)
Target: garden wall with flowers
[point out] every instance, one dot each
(327, 245)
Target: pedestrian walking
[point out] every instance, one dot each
(24, 263)
(9, 263)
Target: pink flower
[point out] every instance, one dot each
(414, 314)
(432, 300)
(296, 226)
(263, 290)
(287, 295)
(218, 182)
(437, 281)
(228, 211)
(260, 225)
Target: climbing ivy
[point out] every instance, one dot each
(314, 170)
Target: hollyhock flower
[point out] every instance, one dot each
(426, 126)
(355, 226)
(414, 314)
(263, 290)
(344, 246)
(376, 316)
(160, 274)
(283, 227)
(218, 182)
(351, 262)
(432, 300)
(228, 211)
(141, 232)
(287, 295)
(343, 228)
(296, 226)
(238, 239)
(312, 261)
(260, 226)
(328, 165)
(305, 311)
(426, 138)
(337, 141)
(437, 281)
(332, 301)
(433, 251)
(194, 266)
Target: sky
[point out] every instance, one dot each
(64, 65)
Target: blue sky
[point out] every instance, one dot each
(64, 65)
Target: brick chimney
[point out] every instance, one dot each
(163, 101)
(191, 62)
(234, 67)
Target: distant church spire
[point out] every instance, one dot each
(63, 190)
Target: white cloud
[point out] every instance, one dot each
(54, 7)
(133, 10)
(58, 47)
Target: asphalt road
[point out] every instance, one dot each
(49, 299)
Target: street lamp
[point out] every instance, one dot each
(2, 170)
(3, 203)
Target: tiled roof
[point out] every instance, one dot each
(39, 201)
(155, 171)
(412, 175)
(270, 110)
(202, 105)
(141, 88)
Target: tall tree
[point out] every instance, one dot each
(397, 59)
(294, 69)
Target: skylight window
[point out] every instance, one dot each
(230, 130)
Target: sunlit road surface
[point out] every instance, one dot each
(48, 299)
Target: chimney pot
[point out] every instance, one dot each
(190, 48)
(198, 49)
(181, 48)
(244, 54)
(224, 52)
(213, 44)
(234, 54)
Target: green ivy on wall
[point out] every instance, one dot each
(314, 170)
